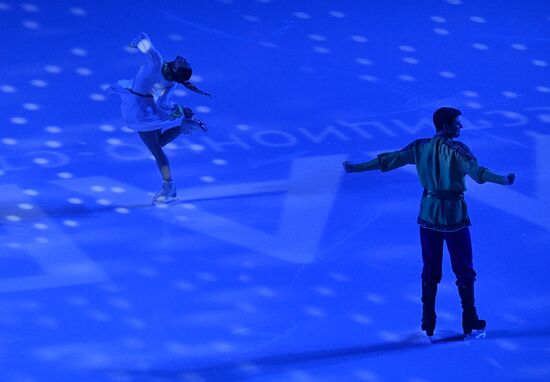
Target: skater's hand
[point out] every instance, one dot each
(348, 166)
(185, 111)
(509, 179)
(188, 112)
(178, 112)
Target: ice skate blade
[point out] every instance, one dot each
(476, 335)
(167, 201)
(446, 337)
(191, 125)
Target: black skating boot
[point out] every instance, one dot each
(429, 290)
(470, 320)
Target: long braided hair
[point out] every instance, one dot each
(182, 76)
(195, 89)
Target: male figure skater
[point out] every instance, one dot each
(147, 107)
(441, 165)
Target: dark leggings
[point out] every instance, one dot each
(459, 245)
(155, 140)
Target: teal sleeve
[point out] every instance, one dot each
(395, 159)
(480, 174)
(489, 176)
(367, 166)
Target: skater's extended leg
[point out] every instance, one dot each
(187, 126)
(169, 135)
(459, 244)
(432, 258)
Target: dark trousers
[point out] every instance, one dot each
(459, 245)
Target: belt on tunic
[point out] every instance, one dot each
(140, 94)
(444, 194)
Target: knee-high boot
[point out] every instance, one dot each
(470, 320)
(429, 291)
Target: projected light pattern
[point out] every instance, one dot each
(275, 265)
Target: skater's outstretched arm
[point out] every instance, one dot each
(469, 166)
(360, 167)
(386, 161)
(482, 174)
(145, 46)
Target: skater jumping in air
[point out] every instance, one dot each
(147, 107)
(441, 164)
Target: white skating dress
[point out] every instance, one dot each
(146, 100)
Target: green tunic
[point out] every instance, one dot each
(441, 165)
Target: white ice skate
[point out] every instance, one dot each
(166, 194)
(190, 125)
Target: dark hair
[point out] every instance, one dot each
(445, 115)
(183, 74)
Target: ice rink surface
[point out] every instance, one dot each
(275, 265)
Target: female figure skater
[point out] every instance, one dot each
(147, 107)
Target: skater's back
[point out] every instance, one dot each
(442, 164)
